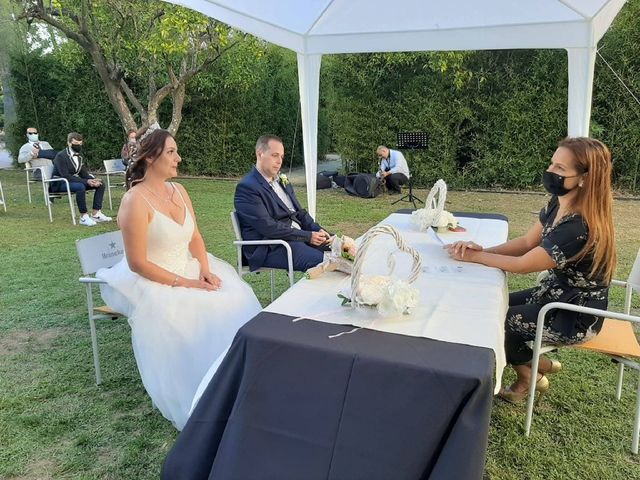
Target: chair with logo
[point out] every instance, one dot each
(115, 166)
(243, 268)
(101, 251)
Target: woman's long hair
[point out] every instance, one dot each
(150, 147)
(594, 201)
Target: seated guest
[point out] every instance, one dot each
(69, 164)
(36, 152)
(393, 169)
(267, 208)
(574, 240)
(130, 147)
(35, 148)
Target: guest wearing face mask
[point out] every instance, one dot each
(35, 148)
(130, 147)
(70, 164)
(573, 240)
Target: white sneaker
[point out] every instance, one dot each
(87, 221)
(100, 217)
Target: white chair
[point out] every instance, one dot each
(32, 166)
(244, 269)
(113, 167)
(613, 323)
(47, 179)
(101, 251)
(2, 201)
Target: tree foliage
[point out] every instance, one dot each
(143, 52)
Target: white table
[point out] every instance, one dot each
(459, 302)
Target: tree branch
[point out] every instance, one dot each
(133, 99)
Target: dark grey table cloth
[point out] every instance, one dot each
(288, 402)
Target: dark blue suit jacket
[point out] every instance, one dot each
(263, 216)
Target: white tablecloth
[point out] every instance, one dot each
(459, 302)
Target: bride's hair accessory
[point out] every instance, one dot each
(133, 149)
(152, 128)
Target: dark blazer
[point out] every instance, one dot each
(63, 167)
(262, 215)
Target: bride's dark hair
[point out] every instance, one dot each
(150, 147)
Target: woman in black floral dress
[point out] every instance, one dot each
(574, 241)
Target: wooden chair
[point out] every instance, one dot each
(616, 339)
(101, 251)
(243, 268)
(113, 167)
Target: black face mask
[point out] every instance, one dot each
(76, 148)
(554, 183)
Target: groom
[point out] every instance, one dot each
(268, 209)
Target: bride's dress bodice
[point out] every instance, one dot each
(168, 242)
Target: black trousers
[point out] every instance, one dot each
(394, 181)
(80, 190)
(560, 327)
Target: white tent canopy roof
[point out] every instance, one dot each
(348, 26)
(316, 27)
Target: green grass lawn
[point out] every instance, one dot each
(56, 423)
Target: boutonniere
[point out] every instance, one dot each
(284, 179)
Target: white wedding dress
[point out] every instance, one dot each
(177, 333)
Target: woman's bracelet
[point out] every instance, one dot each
(175, 281)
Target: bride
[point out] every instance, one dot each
(183, 304)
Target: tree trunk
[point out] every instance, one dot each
(116, 97)
(177, 97)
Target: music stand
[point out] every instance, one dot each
(411, 141)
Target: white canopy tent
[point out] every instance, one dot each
(315, 27)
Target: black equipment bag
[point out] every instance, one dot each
(365, 185)
(322, 182)
(339, 179)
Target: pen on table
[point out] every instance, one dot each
(438, 237)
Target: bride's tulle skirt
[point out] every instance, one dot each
(178, 333)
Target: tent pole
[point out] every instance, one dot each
(581, 67)
(309, 85)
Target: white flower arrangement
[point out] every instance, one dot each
(284, 179)
(388, 294)
(434, 214)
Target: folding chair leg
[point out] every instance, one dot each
(4, 203)
(46, 200)
(109, 192)
(273, 287)
(28, 186)
(73, 210)
(94, 335)
(620, 376)
(636, 422)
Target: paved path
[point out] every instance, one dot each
(5, 158)
(297, 177)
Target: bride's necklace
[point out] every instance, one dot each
(168, 199)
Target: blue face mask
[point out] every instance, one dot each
(554, 183)
(33, 137)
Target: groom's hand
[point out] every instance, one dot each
(319, 238)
